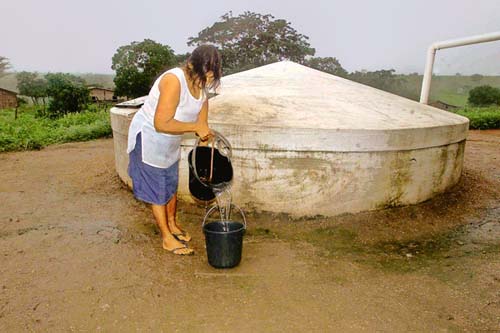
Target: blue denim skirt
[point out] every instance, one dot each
(151, 184)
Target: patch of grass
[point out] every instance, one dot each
(482, 117)
(29, 132)
(452, 98)
(450, 89)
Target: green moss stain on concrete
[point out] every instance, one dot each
(400, 179)
(438, 177)
(458, 162)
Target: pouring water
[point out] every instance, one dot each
(224, 198)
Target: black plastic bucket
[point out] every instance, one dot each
(222, 172)
(224, 241)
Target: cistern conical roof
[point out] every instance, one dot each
(288, 106)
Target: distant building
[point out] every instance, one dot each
(443, 106)
(102, 95)
(8, 99)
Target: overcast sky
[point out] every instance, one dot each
(82, 36)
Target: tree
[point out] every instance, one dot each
(67, 92)
(181, 58)
(484, 96)
(327, 64)
(383, 79)
(4, 65)
(476, 77)
(386, 80)
(32, 85)
(251, 39)
(138, 64)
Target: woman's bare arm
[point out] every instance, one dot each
(165, 111)
(203, 118)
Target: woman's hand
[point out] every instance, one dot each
(202, 130)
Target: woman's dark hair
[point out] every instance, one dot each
(205, 58)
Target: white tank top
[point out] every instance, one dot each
(161, 150)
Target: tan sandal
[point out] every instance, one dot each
(184, 236)
(176, 250)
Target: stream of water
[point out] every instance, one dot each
(224, 197)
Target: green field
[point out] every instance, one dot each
(29, 132)
(453, 90)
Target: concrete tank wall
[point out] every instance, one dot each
(312, 183)
(319, 183)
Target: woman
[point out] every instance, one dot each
(176, 104)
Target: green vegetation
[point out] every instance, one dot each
(32, 85)
(384, 80)
(10, 81)
(251, 39)
(484, 96)
(482, 118)
(67, 93)
(30, 131)
(328, 65)
(138, 64)
(451, 89)
(450, 98)
(483, 109)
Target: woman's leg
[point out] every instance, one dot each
(171, 210)
(169, 241)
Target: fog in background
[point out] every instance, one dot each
(70, 36)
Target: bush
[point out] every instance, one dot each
(484, 96)
(68, 94)
(482, 118)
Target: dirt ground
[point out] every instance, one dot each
(79, 253)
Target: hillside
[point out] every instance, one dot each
(449, 89)
(104, 80)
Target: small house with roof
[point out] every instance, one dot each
(99, 94)
(8, 99)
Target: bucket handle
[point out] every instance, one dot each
(193, 158)
(232, 205)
